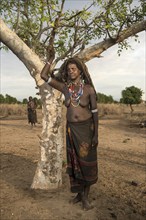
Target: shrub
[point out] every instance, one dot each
(12, 109)
(110, 109)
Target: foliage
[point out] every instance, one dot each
(131, 95)
(12, 109)
(24, 101)
(8, 99)
(2, 99)
(52, 28)
(102, 98)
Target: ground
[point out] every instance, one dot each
(120, 192)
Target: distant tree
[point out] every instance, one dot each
(110, 99)
(131, 95)
(2, 99)
(102, 98)
(10, 100)
(24, 101)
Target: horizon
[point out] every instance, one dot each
(110, 74)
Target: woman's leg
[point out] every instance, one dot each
(77, 198)
(85, 202)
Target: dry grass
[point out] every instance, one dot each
(138, 115)
(12, 109)
(121, 109)
(110, 109)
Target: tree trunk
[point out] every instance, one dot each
(48, 174)
(131, 107)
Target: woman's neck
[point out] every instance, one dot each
(76, 81)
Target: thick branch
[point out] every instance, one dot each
(95, 50)
(22, 51)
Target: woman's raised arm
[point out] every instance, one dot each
(46, 76)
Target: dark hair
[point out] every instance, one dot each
(63, 72)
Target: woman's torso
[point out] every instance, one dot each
(78, 111)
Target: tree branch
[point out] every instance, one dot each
(95, 50)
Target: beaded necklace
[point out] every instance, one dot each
(75, 96)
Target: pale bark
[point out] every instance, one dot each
(22, 51)
(48, 174)
(49, 170)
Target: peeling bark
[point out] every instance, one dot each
(48, 174)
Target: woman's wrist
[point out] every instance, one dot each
(45, 71)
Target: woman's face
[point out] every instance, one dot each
(73, 71)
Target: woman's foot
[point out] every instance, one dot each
(86, 204)
(77, 199)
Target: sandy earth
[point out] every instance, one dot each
(120, 192)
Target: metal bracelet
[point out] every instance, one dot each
(94, 110)
(49, 80)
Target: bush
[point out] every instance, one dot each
(110, 109)
(12, 109)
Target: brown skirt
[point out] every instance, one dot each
(81, 156)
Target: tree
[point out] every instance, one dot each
(8, 99)
(102, 98)
(2, 99)
(37, 30)
(131, 95)
(24, 101)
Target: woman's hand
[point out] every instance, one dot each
(95, 141)
(50, 53)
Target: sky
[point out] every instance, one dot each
(110, 74)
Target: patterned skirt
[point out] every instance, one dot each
(32, 116)
(81, 156)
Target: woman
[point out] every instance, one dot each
(31, 110)
(82, 125)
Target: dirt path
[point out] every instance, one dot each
(119, 194)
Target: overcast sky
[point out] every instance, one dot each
(111, 73)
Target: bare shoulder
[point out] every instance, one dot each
(89, 88)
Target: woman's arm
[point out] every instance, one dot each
(46, 76)
(94, 111)
(45, 73)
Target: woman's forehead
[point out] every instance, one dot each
(71, 65)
